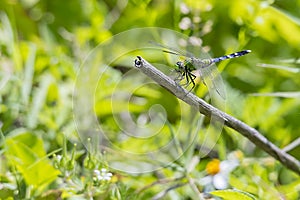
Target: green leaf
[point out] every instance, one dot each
(28, 73)
(233, 194)
(39, 99)
(291, 190)
(7, 190)
(25, 151)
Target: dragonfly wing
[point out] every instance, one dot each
(213, 80)
(171, 50)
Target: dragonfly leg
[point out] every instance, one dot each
(187, 77)
(186, 74)
(180, 75)
(192, 77)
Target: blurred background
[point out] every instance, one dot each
(43, 45)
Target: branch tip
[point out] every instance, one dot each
(138, 61)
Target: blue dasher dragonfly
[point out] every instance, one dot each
(208, 74)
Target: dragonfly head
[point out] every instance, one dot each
(180, 65)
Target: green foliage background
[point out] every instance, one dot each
(43, 43)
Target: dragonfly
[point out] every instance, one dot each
(203, 66)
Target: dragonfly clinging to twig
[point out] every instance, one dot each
(204, 66)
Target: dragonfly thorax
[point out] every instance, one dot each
(185, 66)
(201, 63)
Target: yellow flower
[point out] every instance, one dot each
(213, 167)
(218, 172)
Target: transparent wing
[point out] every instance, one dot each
(213, 80)
(172, 50)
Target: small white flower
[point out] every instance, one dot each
(218, 173)
(185, 23)
(184, 9)
(103, 170)
(107, 176)
(96, 172)
(220, 182)
(58, 158)
(102, 174)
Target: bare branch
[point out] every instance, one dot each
(292, 145)
(160, 181)
(206, 109)
(195, 189)
(165, 192)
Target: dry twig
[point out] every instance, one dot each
(206, 109)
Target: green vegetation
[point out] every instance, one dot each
(54, 90)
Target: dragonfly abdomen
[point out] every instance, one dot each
(233, 55)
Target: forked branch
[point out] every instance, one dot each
(206, 109)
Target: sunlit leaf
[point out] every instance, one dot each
(26, 153)
(233, 194)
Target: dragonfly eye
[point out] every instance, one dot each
(179, 64)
